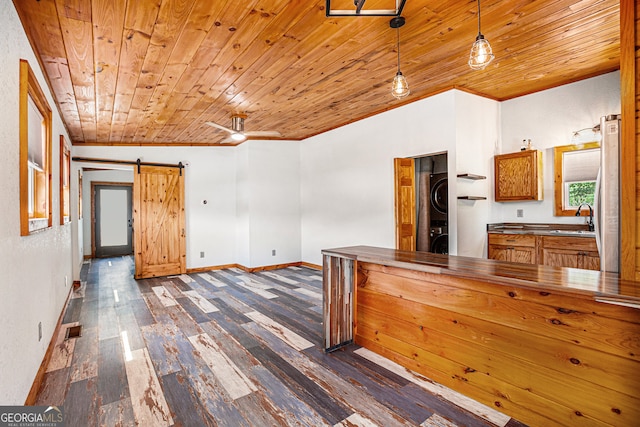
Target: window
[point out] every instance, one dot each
(576, 169)
(579, 192)
(35, 154)
(65, 181)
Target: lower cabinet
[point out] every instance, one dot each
(513, 248)
(576, 252)
(556, 251)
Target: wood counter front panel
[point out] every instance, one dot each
(544, 358)
(337, 301)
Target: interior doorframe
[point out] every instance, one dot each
(411, 199)
(94, 184)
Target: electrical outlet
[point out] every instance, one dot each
(273, 252)
(202, 254)
(520, 213)
(39, 331)
(66, 281)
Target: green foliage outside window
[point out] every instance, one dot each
(581, 192)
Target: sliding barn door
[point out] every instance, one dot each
(158, 221)
(405, 204)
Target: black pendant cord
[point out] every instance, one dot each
(479, 32)
(398, 34)
(396, 23)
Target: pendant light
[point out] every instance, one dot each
(400, 87)
(481, 54)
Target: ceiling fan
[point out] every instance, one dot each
(237, 132)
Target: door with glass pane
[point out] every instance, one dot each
(113, 220)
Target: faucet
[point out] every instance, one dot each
(590, 223)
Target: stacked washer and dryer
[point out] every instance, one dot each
(432, 193)
(438, 213)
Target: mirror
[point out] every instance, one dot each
(576, 168)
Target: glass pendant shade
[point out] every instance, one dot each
(481, 53)
(400, 87)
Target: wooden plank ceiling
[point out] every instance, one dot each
(154, 71)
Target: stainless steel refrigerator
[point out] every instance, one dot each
(607, 197)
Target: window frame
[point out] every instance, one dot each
(79, 194)
(40, 219)
(558, 180)
(65, 181)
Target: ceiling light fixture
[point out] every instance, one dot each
(481, 54)
(400, 87)
(360, 9)
(237, 132)
(236, 136)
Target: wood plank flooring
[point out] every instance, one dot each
(228, 348)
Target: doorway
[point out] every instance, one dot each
(112, 219)
(421, 203)
(432, 195)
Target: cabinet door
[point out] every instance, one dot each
(518, 176)
(560, 257)
(523, 254)
(590, 261)
(499, 252)
(513, 247)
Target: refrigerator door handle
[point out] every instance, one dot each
(597, 209)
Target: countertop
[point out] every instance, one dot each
(604, 287)
(541, 229)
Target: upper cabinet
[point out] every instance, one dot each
(518, 176)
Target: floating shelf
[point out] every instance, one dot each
(471, 176)
(472, 198)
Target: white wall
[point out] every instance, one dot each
(252, 199)
(477, 139)
(274, 202)
(346, 178)
(268, 202)
(549, 118)
(210, 175)
(36, 269)
(243, 208)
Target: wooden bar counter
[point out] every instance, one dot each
(545, 345)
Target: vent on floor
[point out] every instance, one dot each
(73, 332)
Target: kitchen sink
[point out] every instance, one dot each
(582, 232)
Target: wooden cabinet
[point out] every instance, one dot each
(513, 247)
(556, 251)
(518, 176)
(575, 252)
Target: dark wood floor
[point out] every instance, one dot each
(228, 348)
